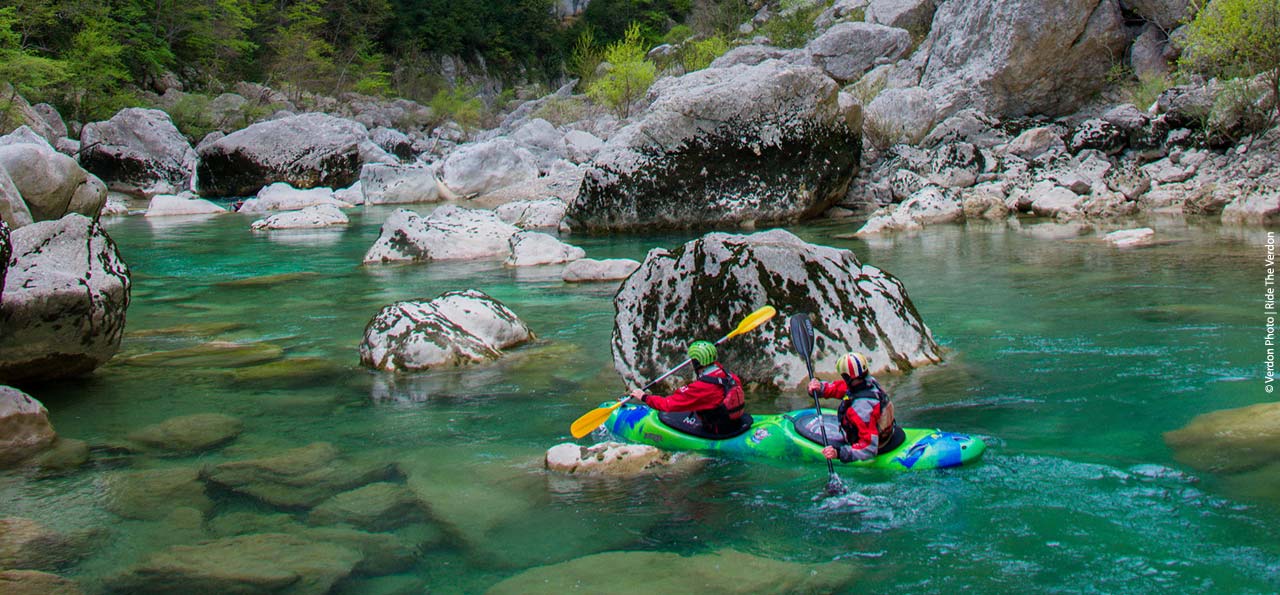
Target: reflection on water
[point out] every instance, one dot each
(1069, 357)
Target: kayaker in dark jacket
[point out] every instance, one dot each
(716, 397)
(865, 413)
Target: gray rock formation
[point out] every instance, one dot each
(762, 143)
(703, 288)
(454, 329)
(24, 427)
(449, 233)
(308, 218)
(51, 184)
(529, 248)
(304, 151)
(64, 303)
(139, 152)
(848, 50)
(479, 168)
(399, 184)
(588, 270)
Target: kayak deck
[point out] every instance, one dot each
(776, 437)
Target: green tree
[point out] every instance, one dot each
(303, 61)
(1237, 38)
(27, 74)
(97, 73)
(629, 75)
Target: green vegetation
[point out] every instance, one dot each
(1237, 39)
(629, 75)
(793, 26)
(700, 54)
(459, 104)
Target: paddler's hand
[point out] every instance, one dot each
(815, 385)
(829, 452)
(636, 397)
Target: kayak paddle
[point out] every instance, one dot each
(592, 419)
(802, 340)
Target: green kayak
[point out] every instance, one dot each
(791, 436)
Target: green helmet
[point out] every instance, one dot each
(702, 352)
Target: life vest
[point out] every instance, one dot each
(870, 389)
(728, 414)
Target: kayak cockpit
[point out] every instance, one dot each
(688, 423)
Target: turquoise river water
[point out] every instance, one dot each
(1071, 358)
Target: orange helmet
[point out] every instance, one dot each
(853, 365)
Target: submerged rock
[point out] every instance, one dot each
(449, 233)
(762, 143)
(266, 563)
(24, 427)
(139, 152)
(376, 507)
(189, 433)
(304, 151)
(530, 248)
(705, 287)
(34, 582)
(297, 478)
(1126, 238)
(214, 354)
(615, 459)
(25, 543)
(308, 218)
(586, 270)
(453, 329)
(723, 572)
(154, 494)
(64, 302)
(1229, 440)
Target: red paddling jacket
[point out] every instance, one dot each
(716, 397)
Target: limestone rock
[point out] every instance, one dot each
(304, 151)
(900, 116)
(848, 50)
(449, 233)
(1260, 208)
(581, 146)
(265, 563)
(189, 433)
(398, 184)
(34, 582)
(65, 297)
(139, 152)
(455, 328)
(479, 168)
(297, 478)
(614, 459)
(24, 427)
(529, 248)
(533, 214)
(50, 183)
(213, 354)
(912, 15)
(165, 205)
(1229, 440)
(724, 572)
(758, 143)
(861, 308)
(587, 270)
(1126, 238)
(1048, 57)
(154, 494)
(283, 197)
(308, 218)
(376, 507)
(1036, 142)
(1049, 200)
(392, 141)
(1166, 14)
(925, 207)
(25, 543)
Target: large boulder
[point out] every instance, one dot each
(50, 183)
(25, 543)
(455, 328)
(848, 50)
(308, 218)
(283, 197)
(762, 143)
(13, 210)
(273, 563)
(724, 572)
(703, 288)
(532, 214)
(1166, 14)
(529, 248)
(19, 113)
(24, 427)
(483, 167)
(449, 233)
(304, 151)
(383, 183)
(138, 152)
(912, 15)
(1019, 57)
(900, 116)
(64, 302)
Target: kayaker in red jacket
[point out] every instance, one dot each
(716, 397)
(865, 413)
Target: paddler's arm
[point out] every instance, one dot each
(828, 390)
(694, 397)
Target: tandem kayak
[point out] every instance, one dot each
(791, 436)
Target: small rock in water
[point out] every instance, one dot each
(24, 427)
(155, 493)
(530, 248)
(616, 459)
(214, 354)
(297, 478)
(1127, 238)
(189, 433)
(586, 270)
(294, 371)
(308, 218)
(378, 506)
(456, 328)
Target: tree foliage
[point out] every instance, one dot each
(629, 75)
(1237, 38)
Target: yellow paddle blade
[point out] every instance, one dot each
(588, 423)
(752, 321)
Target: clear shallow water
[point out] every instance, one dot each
(1070, 357)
